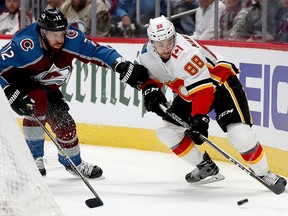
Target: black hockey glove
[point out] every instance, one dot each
(133, 74)
(153, 96)
(199, 125)
(22, 104)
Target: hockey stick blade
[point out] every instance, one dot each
(94, 202)
(278, 188)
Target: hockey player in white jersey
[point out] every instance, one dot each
(202, 82)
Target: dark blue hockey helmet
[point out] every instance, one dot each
(52, 20)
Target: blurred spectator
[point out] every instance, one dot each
(282, 36)
(111, 5)
(10, 18)
(78, 12)
(228, 17)
(285, 3)
(54, 3)
(204, 28)
(248, 26)
(124, 17)
(112, 8)
(185, 24)
(247, 3)
(2, 5)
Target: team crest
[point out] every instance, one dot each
(71, 34)
(27, 44)
(54, 76)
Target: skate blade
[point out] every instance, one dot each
(76, 175)
(99, 178)
(210, 179)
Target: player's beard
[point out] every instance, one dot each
(166, 55)
(50, 48)
(56, 50)
(57, 45)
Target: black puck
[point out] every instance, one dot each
(241, 202)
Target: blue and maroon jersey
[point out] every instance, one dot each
(26, 64)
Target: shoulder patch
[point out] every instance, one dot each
(144, 48)
(177, 50)
(71, 34)
(27, 44)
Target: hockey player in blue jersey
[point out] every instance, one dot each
(35, 64)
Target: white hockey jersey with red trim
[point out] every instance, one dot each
(185, 72)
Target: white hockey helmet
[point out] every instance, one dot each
(160, 28)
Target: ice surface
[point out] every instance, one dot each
(141, 183)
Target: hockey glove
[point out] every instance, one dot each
(199, 125)
(22, 104)
(153, 96)
(133, 74)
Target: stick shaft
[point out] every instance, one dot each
(205, 139)
(64, 154)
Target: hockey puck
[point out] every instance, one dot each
(241, 202)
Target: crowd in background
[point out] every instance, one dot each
(238, 20)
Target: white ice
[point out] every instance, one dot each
(151, 183)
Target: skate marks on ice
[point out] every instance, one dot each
(144, 182)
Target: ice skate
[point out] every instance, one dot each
(87, 170)
(40, 165)
(275, 182)
(205, 172)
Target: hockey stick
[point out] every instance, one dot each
(273, 188)
(91, 203)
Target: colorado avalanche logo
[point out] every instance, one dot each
(54, 76)
(27, 44)
(71, 34)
